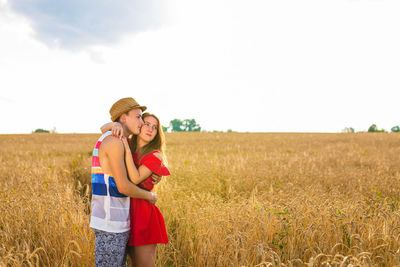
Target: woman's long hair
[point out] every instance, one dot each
(158, 143)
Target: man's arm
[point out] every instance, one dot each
(115, 128)
(114, 150)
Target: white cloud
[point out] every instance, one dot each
(74, 24)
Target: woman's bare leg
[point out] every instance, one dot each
(145, 256)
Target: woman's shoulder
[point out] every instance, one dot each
(157, 154)
(153, 161)
(154, 154)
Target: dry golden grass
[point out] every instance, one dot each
(232, 200)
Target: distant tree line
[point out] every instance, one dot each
(40, 130)
(187, 125)
(373, 129)
(395, 129)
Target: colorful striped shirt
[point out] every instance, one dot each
(110, 208)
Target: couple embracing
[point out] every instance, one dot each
(124, 172)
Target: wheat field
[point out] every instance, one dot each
(233, 199)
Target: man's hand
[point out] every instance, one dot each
(154, 198)
(155, 178)
(117, 130)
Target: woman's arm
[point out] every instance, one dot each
(114, 127)
(135, 175)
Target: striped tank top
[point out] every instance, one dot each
(110, 208)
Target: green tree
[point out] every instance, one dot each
(372, 128)
(40, 130)
(348, 130)
(176, 125)
(395, 129)
(165, 129)
(187, 125)
(190, 125)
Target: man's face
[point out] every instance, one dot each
(133, 121)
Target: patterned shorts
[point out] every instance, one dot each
(110, 248)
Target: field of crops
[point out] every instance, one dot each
(233, 199)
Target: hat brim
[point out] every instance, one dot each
(116, 116)
(143, 108)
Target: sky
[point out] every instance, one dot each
(249, 66)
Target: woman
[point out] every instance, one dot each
(147, 222)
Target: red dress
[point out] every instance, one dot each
(147, 222)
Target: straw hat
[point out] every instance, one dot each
(124, 105)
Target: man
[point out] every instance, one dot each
(111, 188)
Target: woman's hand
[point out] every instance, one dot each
(117, 130)
(155, 178)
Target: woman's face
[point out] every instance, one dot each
(149, 129)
